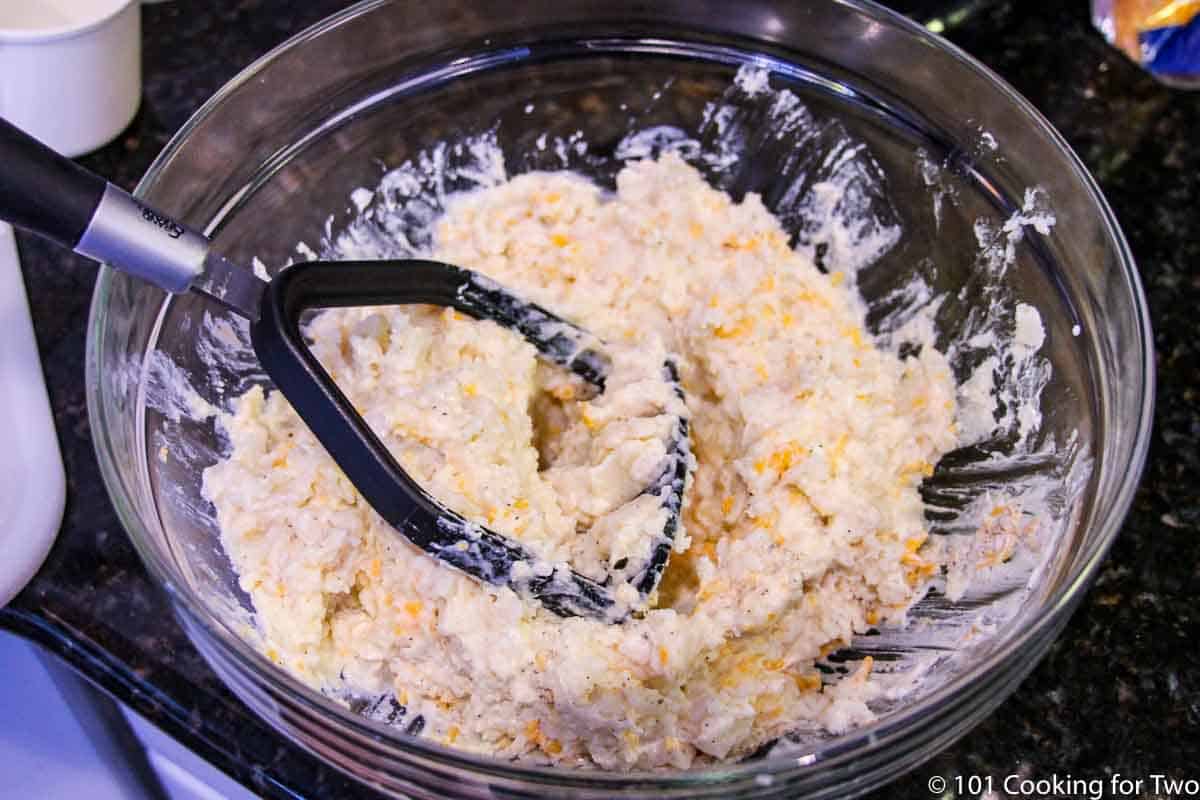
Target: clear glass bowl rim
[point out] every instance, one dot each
(869, 737)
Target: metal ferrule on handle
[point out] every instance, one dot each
(143, 242)
(48, 194)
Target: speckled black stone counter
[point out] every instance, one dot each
(1119, 692)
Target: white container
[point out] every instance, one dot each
(32, 482)
(70, 70)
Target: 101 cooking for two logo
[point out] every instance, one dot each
(1158, 785)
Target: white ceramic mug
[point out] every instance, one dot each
(70, 70)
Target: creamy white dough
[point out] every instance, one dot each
(802, 525)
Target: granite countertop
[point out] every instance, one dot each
(1119, 691)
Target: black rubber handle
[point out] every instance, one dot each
(43, 191)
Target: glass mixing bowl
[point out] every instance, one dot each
(931, 152)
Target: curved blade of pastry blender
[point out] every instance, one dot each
(440, 531)
(48, 194)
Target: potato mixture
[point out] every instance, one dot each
(802, 524)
